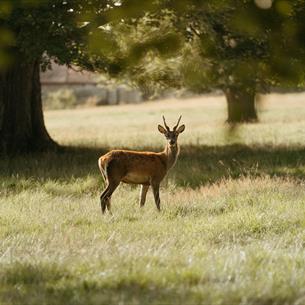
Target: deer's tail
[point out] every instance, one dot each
(103, 168)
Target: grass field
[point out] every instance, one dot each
(231, 229)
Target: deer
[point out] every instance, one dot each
(143, 168)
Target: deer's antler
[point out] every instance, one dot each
(165, 123)
(177, 123)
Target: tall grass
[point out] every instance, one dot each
(231, 229)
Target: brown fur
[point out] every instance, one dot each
(134, 167)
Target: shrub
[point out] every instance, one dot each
(60, 99)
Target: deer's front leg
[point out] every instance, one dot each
(143, 192)
(155, 188)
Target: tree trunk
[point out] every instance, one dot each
(241, 105)
(22, 126)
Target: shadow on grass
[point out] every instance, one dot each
(35, 285)
(39, 284)
(196, 166)
(209, 164)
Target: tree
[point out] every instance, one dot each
(246, 48)
(242, 48)
(34, 32)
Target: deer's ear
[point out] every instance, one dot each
(181, 128)
(161, 129)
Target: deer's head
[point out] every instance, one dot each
(171, 135)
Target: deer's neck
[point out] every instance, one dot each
(171, 153)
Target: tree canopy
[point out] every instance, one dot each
(67, 31)
(248, 43)
(238, 42)
(240, 47)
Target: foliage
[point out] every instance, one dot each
(66, 31)
(235, 44)
(60, 99)
(230, 43)
(149, 47)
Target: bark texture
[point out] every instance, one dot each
(241, 105)
(22, 127)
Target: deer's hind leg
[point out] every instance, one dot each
(103, 199)
(106, 195)
(114, 176)
(143, 192)
(155, 187)
(106, 200)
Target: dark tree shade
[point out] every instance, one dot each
(34, 32)
(22, 124)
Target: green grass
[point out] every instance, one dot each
(231, 230)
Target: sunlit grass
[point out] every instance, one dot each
(231, 229)
(281, 123)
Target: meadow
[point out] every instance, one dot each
(231, 229)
